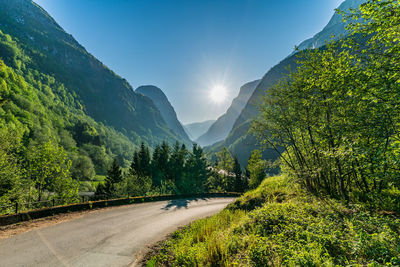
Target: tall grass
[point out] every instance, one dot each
(278, 224)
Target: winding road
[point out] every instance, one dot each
(111, 237)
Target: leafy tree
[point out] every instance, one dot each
(225, 160)
(257, 169)
(336, 115)
(138, 185)
(48, 166)
(225, 168)
(82, 168)
(12, 185)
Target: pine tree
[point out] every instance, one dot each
(196, 173)
(144, 161)
(177, 162)
(156, 173)
(237, 171)
(114, 176)
(135, 163)
(164, 160)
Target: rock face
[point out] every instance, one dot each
(195, 130)
(239, 141)
(335, 27)
(167, 111)
(220, 129)
(104, 96)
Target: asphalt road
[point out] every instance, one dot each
(113, 237)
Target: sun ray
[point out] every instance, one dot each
(218, 94)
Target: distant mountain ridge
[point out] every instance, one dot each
(196, 129)
(239, 141)
(335, 27)
(220, 129)
(167, 111)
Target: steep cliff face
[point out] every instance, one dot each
(167, 110)
(336, 27)
(103, 95)
(221, 128)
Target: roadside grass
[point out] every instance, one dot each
(278, 224)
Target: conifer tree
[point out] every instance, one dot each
(164, 159)
(237, 171)
(135, 163)
(177, 162)
(114, 176)
(156, 173)
(144, 161)
(196, 173)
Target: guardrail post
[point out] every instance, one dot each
(54, 202)
(16, 207)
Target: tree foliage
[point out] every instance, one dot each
(337, 115)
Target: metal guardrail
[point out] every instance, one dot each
(18, 207)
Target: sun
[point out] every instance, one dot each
(218, 94)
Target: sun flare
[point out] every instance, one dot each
(218, 94)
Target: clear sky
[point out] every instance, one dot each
(188, 47)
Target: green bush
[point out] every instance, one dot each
(291, 228)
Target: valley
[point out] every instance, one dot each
(312, 145)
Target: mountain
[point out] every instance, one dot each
(220, 129)
(335, 27)
(103, 95)
(195, 130)
(53, 91)
(239, 141)
(167, 111)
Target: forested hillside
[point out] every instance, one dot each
(102, 94)
(239, 140)
(337, 202)
(64, 116)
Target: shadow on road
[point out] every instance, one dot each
(181, 203)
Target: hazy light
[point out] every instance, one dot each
(218, 94)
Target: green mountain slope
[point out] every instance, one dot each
(221, 128)
(239, 140)
(167, 111)
(53, 90)
(335, 27)
(103, 95)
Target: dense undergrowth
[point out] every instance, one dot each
(280, 224)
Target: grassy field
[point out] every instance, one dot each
(280, 224)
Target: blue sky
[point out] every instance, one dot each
(187, 47)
